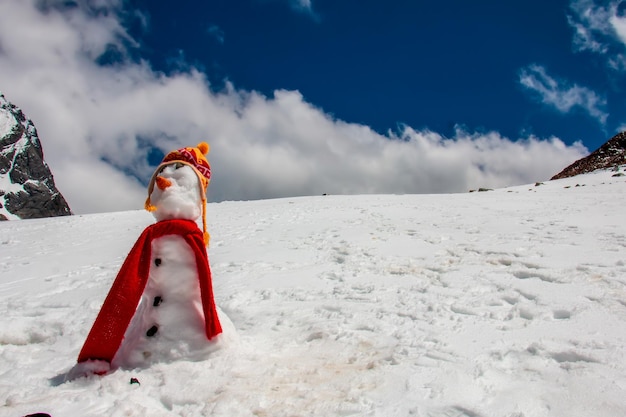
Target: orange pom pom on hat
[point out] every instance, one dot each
(195, 158)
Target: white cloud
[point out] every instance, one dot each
(561, 95)
(304, 6)
(600, 29)
(98, 123)
(618, 24)
(217, 33)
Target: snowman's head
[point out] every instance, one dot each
(177, 193)
(177, 189)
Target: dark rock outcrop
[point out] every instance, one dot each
(609, 155)
(27, 188)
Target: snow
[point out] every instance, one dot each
(7, 123)
(503, 303)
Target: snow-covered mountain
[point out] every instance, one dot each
(610, 155)
(509, 303)
(27, 188)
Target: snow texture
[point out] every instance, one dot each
(503, 303)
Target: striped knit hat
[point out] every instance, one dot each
(195, 158)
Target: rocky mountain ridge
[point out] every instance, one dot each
(611, 154)
(27, 188)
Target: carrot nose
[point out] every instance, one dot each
(163, 183)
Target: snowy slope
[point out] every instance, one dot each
(503, 303)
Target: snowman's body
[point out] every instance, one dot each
(169, 321)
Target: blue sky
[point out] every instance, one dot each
(311, 97)
(433, 65)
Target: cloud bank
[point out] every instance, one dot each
(561, 95)
(100, 124)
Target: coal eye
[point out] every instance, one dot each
(179, 165)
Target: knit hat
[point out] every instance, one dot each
(195, 158)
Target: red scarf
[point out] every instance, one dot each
(121, 303)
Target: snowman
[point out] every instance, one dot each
(160, 307)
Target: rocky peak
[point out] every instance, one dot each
(27, 188)
(609, 155)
